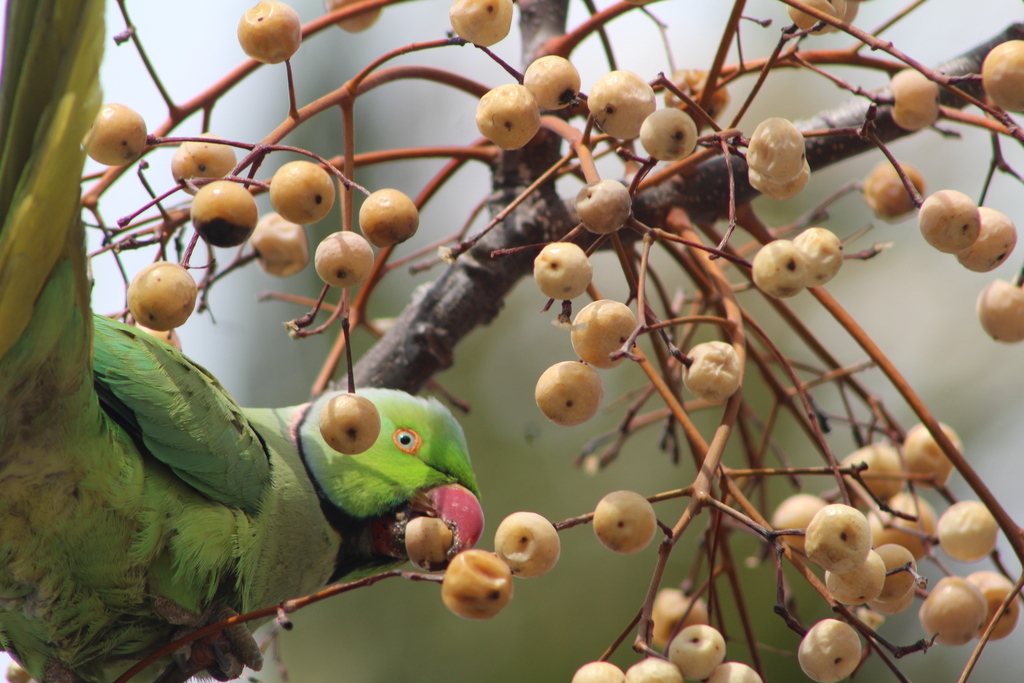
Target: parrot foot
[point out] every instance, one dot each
(222, 655)
(55, 672)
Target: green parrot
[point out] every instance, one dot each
(137, 499)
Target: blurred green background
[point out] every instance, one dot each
(916, 303)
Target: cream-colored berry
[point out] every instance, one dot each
(169, 337)
(562, 270)
(779, 269)
(995, 587)
(805, 21)
(697, 650)
(967, 531)
(949, 221)
(604, 206)
(777, 151)
(477, 584)
(224, 213)
(830, 651)
(302, 192)
(898, 584)
(344, 259)
(117, 136)
(838, 538)
(624, 521)
(350, 423)
(668, 134)
(893, 607)
(886, 528)
(162, 296)
(388, 217)
(553, 81)
(953, 612)
(692, 82)
(862, 584)
(653, 670)
(599, 672)
(281, 246)
(916, 100)
(357, 23)
(270, 32)
(508, 115)
(1001, 311)
(195, 159)
(672, 607)
(996, 240)
(528, 544)
(481, 22)
(881, 460)
(601, 328)
(569, 393)
(619, 102)
(427, 542)
(823, 254)
(1002, 74)
(886, 194)
(779, 191)
(715, 372)
(796, 512)
(922, 455)
(734, 672)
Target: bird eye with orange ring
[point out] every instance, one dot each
(407, 440)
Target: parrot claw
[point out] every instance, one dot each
(222, 655)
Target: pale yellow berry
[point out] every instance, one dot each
(823, 254)
(270, 32)
(862, 584)
(224, 213)
(599, 672)
(734, 672)
(779, 269)
(995, 587)
(569, 393)
(17, 673)
(830, 651)
(349, 423)
(967, 531)
(776, 150)
(896, 585)
(886, 194)
(624, 522)
(302, 192)
(357, 23)
(881, 460)
(1001, 311)
(619, 102)
(562, 271)
(996, 240)
(949, 221)
(427, 542)
(838, 538)
(953, 612)
(893, 607)
(805, 21)
(669, 608)
(388, 217)
(916, 100)
(508, 115)
(553, 81)
(1002, 74)
(796, 512)
(194, 159)
(169, 337)
(715, 373)
(528, 544)
(697, 650)
(281, 246)
(600, 328)
(780, 191)
(162, 296)
(481, 22)
(344, 259)
(886, 528)
(604, 206)
(653, 670)
(922, 455)
(477, 584)
(668, 134)
(117, 136)
(692, 82)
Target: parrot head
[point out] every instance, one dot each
(418, 466)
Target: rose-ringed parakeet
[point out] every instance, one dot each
(137, 499)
